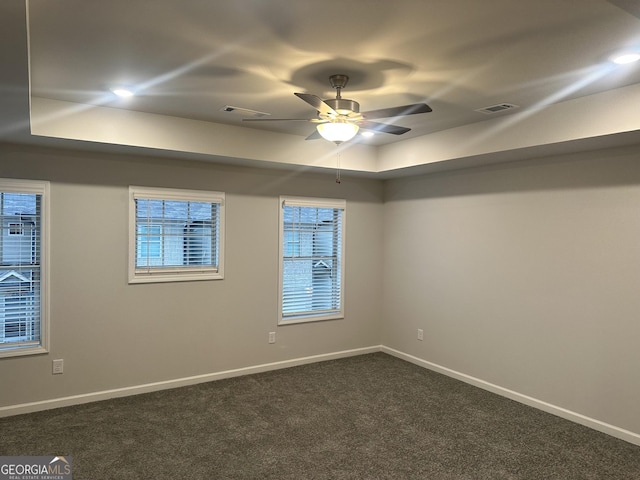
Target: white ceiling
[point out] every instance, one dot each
(191, 58)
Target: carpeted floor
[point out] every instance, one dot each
(367, 417)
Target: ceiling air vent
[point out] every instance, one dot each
(244, 112)
(501, 107)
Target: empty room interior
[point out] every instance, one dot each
(477, 214)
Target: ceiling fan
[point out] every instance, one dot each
(339, 119)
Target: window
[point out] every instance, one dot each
(16, 229)
(175, 235)
(23, 267)
(149, 245)
(311, 259)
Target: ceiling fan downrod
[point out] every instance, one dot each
(341, 105)
(338, 82)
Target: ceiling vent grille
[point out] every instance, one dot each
(244, 112)
(501, 107)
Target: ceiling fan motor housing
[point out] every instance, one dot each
(343, 106)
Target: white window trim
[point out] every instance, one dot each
(174, 274)
(39, 188)
(314, 203)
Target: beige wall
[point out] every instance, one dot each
(525, 276)
(522, 275)
(113, 335)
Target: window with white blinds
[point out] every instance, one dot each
(23, 286)
(175, 235)
(311, 259)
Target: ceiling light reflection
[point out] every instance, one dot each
(122, 92)
(626, 58)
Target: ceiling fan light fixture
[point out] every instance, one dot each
(338, 132)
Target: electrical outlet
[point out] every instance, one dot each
(272, 337)
(420, 334)
(58, 367)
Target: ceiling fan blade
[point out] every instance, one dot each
(278, 119)
(314, 136)
(317, 103)
(384, 127)
(398, 111)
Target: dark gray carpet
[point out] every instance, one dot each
(367, 417)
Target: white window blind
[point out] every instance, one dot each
(311, 259)
(23, 320)
(175, 235)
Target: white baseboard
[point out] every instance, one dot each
(180, 382)
(612, 430)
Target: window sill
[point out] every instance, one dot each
(309, 318)
(174, 277)
(8, 351)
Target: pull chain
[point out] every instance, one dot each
(338, 180)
